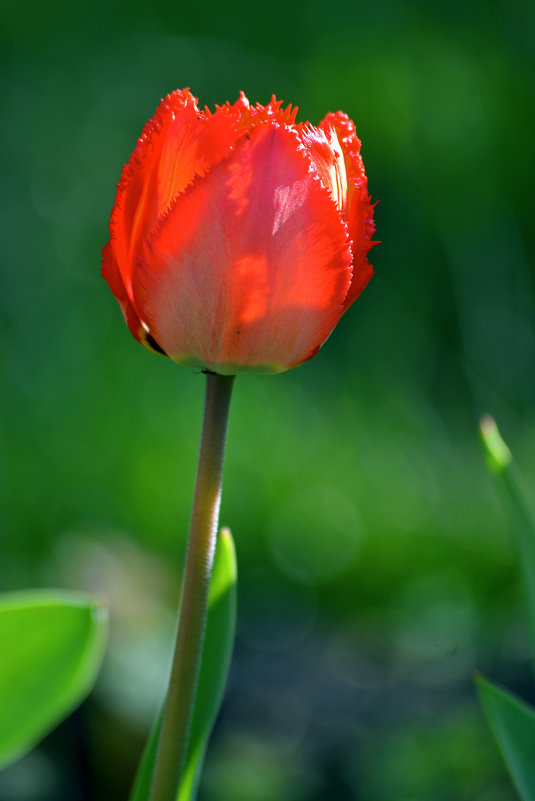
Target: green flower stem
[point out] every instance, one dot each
(180, 699)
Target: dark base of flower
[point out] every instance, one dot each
(151, 342)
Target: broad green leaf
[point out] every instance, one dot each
(513, 725)
(501, 463)
(51, 647)
(217, 651)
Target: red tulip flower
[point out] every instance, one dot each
(238, 238)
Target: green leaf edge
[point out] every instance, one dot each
(488, 694)
(88, 669)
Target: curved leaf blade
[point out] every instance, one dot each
(513, 725)
(217, 652)
(51, 648)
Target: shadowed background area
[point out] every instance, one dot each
(376, 568)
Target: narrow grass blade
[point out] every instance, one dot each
(500, 462)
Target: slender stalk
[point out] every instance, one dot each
(180, 699)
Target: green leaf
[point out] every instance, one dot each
(513, 725)
(217, 652)
(51, 647)
(501, 463)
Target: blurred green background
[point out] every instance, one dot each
(376, 568)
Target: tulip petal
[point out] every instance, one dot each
(250, 268)
(327, 158)
(177, 144)
(359, 211)
(247, 116)
(112, 274)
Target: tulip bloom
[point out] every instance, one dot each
(239, 237)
